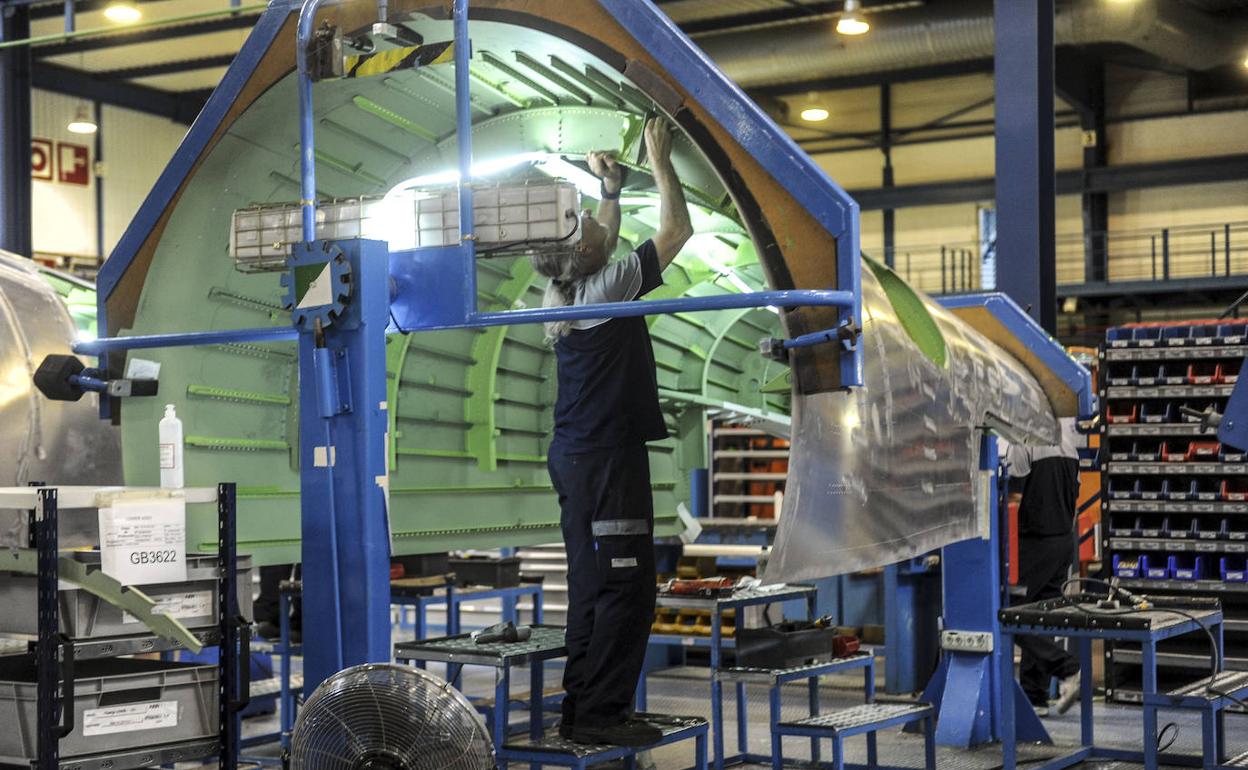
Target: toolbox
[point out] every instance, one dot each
(86, 616)
(118, 704)
(784, 645)
(492, 571)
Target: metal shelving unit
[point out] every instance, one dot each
(1174, 500)
(55, 652)
(748, 468)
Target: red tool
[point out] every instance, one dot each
(708, 588)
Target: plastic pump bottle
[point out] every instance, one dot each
(170, 450)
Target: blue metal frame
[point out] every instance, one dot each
(1038, 341)
(1152, 700)
(1233, 429)
(342, 364)
(969, 689)
(342, 461)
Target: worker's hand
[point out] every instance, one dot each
(658, 134)
(602, 164)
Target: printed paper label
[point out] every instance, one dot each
(192, 604)
(144, 541)
(166, 456)
(130, 718)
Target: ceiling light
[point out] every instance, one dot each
(851, 21)
(122, 12)
(82, 123)
(814, 114)
(1245, 62)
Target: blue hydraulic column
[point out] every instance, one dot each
(967, 690)
(1026, 262)
(15, 217)
(342, 453)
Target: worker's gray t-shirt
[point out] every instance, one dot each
(619, 281)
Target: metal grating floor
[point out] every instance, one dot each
(686, 691)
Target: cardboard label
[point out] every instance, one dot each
(144, 541)
(130, 718)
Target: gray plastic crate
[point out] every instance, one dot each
(85, 616)
(119, 704)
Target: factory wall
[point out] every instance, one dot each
(134, 148)
(1136, 217)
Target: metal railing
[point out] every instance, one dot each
(1155, 254)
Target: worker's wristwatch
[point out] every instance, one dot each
(606, 194)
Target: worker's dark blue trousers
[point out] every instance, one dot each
(1043, 562)
(607, 517)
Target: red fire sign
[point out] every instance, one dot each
(41, 159)
(73, 163)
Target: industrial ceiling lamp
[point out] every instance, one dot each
(851, 21)
(122, 12)
(812, 110)
(82, 123)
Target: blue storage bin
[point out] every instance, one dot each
(1123, 490)
(1177, 335)
(1234, 569)
(1129, 568)
(1184, 567)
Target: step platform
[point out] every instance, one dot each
(777, 676)
(1226, 687)
(1240, 761)
(551, 749)
(867, 719)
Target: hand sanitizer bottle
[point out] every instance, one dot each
(170, 450)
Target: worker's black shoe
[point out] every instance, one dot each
(268, 630)
(631, 732)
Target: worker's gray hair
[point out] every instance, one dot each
(566, 270)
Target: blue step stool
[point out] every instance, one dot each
(1226, 687)
(551, 749)
(867, 719)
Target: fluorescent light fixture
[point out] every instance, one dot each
(82, 123)
(122, 12)
(1245, 62)
(814, 114)
(851, 21)
(482, 169)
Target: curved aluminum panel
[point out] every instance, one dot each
(59, 442)
(888, 471)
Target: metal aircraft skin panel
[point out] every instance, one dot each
(889, 471)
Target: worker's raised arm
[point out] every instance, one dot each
(674, 226)
(602, 164)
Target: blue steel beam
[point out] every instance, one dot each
(1048, 350)
(784, 298)
(1025, 190)
(15, 84)
(179, 107)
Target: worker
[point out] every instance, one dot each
(1046, 514)
(606, 409)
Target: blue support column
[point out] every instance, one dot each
(15, 207)
(342, 424)
(968, 689)
(1027, 264)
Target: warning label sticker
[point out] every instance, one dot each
(130, 718)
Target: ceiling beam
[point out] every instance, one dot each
(178, 107)
(153, 34)
(873, 79)
(1226, 168)
(167, 68)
